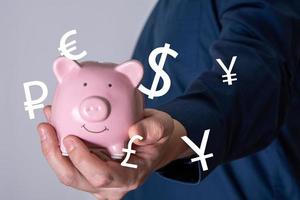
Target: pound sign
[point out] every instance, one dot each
(130, 151)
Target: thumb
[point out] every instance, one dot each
(153, 128)
(137, 129)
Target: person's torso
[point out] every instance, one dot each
(190, 27)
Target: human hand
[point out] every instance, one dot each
(105, 178)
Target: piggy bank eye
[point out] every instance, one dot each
(84, 84)
(109, 85)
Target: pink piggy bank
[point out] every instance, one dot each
(97, 102)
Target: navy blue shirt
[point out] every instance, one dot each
(254, 123)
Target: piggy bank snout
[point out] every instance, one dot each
(94, 109)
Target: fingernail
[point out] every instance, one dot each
(47, 117)
(43, 134)
(69, 144)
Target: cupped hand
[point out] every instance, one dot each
(106, 178)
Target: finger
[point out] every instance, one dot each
(155, 126)
(102, 154)
(61, 165)
(47, 112)
(101, 174)
(110, 194)
(90, 166)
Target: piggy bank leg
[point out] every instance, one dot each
(116, 151)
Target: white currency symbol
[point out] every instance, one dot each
(63, 47)
(164, 51)
(200, 151)
(130, 151)
(31, 105)
(228, 74)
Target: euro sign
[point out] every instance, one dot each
(64, 47)
(160, 73)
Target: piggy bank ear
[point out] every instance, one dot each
(62, 66)
(133, 69)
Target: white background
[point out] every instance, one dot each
(29, 38)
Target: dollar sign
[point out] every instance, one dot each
(63, 47)
(158, 68)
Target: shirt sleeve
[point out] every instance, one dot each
(244, 117)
